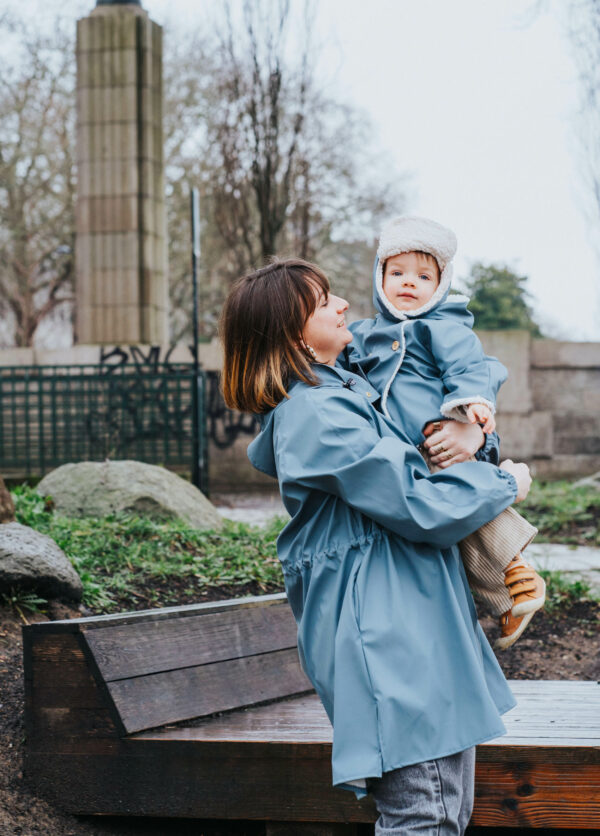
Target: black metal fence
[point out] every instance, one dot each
(50, 415)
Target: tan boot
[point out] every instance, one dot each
(525, 586)
(511, 628)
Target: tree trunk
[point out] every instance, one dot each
(7, 506)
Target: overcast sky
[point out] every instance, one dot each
(477, 100)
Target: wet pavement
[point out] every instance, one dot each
(253, 508)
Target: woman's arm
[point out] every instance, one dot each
(459, 442)
(327, 440)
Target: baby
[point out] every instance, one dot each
(421, 353)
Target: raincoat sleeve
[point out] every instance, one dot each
(468, 375)
(328, 441)
(490, 452)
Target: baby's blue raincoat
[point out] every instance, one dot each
(427, 365)
(387, 630)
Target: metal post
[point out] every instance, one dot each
(199, 474)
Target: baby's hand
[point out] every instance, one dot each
(479, 413)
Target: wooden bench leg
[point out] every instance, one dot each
(293, 828)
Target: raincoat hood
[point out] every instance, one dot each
(260, 450)
(410, 233)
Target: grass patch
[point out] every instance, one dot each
(131, 562)
(562, 593)
(562, 513)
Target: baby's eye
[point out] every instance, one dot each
(425, 276)
(397, 273)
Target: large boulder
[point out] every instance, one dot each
(32, 560)
(95, 489)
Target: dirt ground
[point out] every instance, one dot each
(561, 647)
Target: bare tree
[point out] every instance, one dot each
(282, 167)
(36, 181)
(583, 24)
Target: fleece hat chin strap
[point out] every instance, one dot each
(410, 233)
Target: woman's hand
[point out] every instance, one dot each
(453, 442)
(522, 475)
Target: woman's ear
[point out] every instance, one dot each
(308, 348)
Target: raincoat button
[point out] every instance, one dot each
(368, 394)
(395, 345)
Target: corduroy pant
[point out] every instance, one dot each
(487, 552)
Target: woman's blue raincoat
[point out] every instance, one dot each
(387, 629)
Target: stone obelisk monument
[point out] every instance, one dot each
(121, 268)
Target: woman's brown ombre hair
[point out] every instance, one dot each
(261, 329)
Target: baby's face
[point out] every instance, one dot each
(410, 280)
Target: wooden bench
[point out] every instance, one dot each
(114, 709)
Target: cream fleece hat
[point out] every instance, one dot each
(408, 233)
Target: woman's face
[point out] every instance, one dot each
(325, 330)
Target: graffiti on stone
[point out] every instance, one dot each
(140, 358)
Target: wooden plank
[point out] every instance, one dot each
(189, 784)
(74, 625)
(56, 649)
(537, 795)
(280, 783)
(298, 720)
(52, 727)
(59, 674)
(125, 651)
(154, 700)
(63, 699)
(531, 736)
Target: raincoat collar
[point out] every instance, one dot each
(261, 449)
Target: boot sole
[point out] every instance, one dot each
(506, 641)
(530, 606)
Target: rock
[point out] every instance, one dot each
(95, 489)
(32, 560)
(592, 481)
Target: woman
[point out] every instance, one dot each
(387, 630)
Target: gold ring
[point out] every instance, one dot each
(440, 449)
(448, 456)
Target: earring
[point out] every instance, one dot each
(311, 351)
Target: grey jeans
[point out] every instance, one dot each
(434, 798)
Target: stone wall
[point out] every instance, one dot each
(548, 410)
